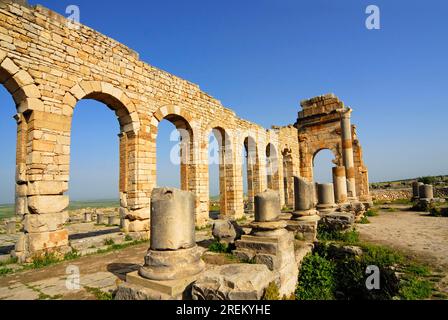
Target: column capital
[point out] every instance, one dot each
(346, 114)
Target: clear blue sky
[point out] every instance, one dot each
(261, 58)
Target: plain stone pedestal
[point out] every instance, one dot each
(170, 265)
(326, 203)
(304, 228)
(272, 245)
(10, 227)
(114, 221)
(101, 218)
(155, 289)
(87, 217)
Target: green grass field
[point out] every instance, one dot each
(6, 211)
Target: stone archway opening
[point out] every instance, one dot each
(8, 133)
(174, 152)
(323, 162)
(219, 162)
(95, 136)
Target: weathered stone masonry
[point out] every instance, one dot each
(48, 67)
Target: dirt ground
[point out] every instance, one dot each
(415, 233)
(418, 235)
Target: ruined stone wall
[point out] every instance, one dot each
(49, 66)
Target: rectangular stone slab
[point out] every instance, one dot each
(169, 287)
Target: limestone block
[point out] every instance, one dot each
(46, 240)
(21, 206)
(47, 187)
(233, 282)
(140, 214)
(138, 225)
(338, 221)
(47, 204)
(34, 223)
(226, 231)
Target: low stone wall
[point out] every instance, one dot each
(395, 194)
(391, 194)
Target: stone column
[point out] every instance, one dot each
(326, 203)
(426, 191)
(347, 153)
(173, 261)
(303, 198)
(234, 181)
(415, 190)
(269, 242)
(340, 184)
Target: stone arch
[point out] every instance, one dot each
(26, 95)
(126, 112)
(183, 122)
(20, 85)
(333, 151)
(113, 97)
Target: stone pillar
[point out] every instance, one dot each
(270, 243)
(415, 189)
(326, 203)
(267, 206)
(173, 261)
(340, 184)
(87, 216)
(426, 191)
(303, 222)
(137, 178)
(10, 227)
(44, 179)
(173, 253)
(303, 198)
(347, 153)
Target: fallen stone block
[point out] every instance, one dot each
(233, 282)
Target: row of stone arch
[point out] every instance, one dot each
(38, 188)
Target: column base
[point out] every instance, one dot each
(140, 288)
(172, 265)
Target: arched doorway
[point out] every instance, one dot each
(323, 162)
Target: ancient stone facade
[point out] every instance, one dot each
(48, 64)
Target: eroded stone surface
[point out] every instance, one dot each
(233, 282)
